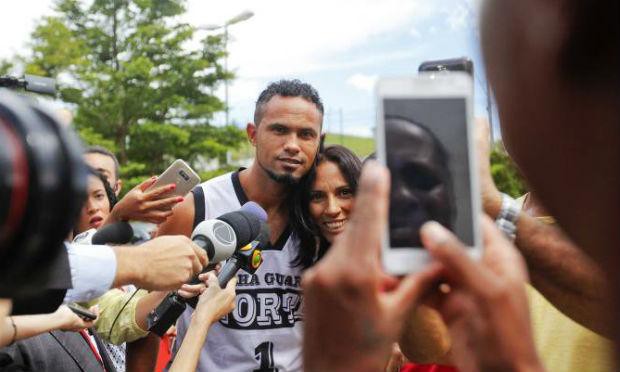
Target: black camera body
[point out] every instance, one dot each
(43, 182)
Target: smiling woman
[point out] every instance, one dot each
(322, 202)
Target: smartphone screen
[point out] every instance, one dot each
(426, 147)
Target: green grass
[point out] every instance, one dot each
(361, 146)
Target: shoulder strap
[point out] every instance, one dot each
(199, 205)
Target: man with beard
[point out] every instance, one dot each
(264, 331)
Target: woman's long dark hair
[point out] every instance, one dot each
(112, 199)
(312, 245)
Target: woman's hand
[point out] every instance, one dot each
(67, 320)
(193, 290)
(215, 302)
(141, 204)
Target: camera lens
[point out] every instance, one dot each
(43, 185)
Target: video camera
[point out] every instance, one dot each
(42, 186)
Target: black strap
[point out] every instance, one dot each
(199, 205)
(243, 198)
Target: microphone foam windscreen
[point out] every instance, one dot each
(247, 226)
(116, 233)
(255, 209)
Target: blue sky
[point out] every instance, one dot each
(340, 47)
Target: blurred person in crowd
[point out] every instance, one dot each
(104, 161)
(286, 134)
(568, 292)
(540, 63)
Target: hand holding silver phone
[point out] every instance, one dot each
(181, 175)
(425, 137)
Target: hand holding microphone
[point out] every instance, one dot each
(219, 238)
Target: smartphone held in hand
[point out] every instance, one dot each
(180, 174)
(425, 136)
(82, 312)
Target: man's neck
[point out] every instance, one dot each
(261, 188)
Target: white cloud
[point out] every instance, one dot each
(290, 37)
(415, 33)
(363, 82)
(458, 17)
(18, 21)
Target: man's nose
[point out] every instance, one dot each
(292, 145)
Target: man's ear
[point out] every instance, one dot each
(251, 130)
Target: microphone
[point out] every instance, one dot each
(222, 236)
(248, 258)
(114, 233)
(122, 232)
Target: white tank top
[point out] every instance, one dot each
(264, 332)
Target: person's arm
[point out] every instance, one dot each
(93, 268)
(141, 355)
(141, 204)
(19, 327)
(160, 264)
(182, 220)
(558, 269)
(213, 304)
(563, 274)
(164, 263)
(425, 338)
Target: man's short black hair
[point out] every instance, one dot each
(103, 151)
(287, 88)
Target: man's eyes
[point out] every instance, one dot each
(307, 134)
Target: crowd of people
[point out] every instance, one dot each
(541, 297)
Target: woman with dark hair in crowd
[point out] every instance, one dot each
(320, 209)
(99, 203)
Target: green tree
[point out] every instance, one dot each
(5, 66)
(505, 173)
(139, 86)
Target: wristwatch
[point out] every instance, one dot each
(508, 216)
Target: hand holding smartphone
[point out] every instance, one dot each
(425, 137)
(82, 312)
(181, 175)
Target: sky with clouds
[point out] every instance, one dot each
(341, 47)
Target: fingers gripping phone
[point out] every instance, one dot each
(425, 136)
(82, 312)
(181, 174)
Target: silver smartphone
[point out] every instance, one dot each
(425, 136)
(181, 174)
